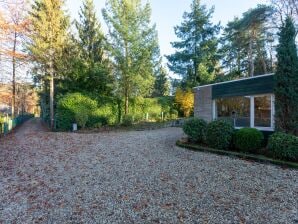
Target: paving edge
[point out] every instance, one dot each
(257, 158)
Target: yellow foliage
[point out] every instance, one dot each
(185, 99)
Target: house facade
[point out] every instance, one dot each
(247, 102)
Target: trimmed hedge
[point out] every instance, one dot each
(195, 129)
(283, 146)
(248, 139)
(219, 134)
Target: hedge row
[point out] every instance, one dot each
(95, 112)
(221, 135)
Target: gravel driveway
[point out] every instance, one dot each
(135, 177)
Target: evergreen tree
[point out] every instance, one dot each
(49, 31)
(196, 52)
(252, 25)
(286, 80)
(161, 85)
(133, 45)
(90, 72)
(233, 49)
(91, 38)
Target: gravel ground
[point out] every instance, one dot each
(135, 177)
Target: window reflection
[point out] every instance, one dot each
(262, 111)
(240, 105)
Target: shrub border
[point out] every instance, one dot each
(257, 158)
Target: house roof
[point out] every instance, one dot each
(236, 80)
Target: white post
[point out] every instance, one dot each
(272, 111)
(252, 111)
(214, 110)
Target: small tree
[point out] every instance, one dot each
(185, 100)
(286, 80)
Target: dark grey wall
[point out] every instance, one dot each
(246, 87)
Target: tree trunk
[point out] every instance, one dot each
(52, 101)
(51, 96)
(262, 59)
(13, 101)
(238, 62)
(119, 110)
(126, 103)
(250, 58)
(126, 93)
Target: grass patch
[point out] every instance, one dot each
(253, 157)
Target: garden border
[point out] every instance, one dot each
(257, 158)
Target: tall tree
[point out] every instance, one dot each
(162, 84)
(284, 9)
(286, 80)
(91, 38)
(133, 46)
(196, 51)
(233, 49)
(15, 27)
(49, 31)
(252, 24)
(88, 67)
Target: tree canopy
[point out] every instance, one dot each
(195, 59)
(133, 45)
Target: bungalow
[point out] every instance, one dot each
(247, 102)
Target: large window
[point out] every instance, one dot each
(235, 110)
(262, 106)
(246, 111)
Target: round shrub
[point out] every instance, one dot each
(219, 134)
(81, 117)
(283, 146)
(70, 105)
(248, 139)
(127, 120)
(195, 129)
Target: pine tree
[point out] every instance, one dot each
(88, 63)
(161, 85)
(133, 45)
(91, 38)
(252, 25)
(198, 46)
(49, 33)
(286, 80)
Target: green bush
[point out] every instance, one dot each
(81, 117)
(127, 120)
(283, 146)
(195, 129)
(174, 114)
(219, 134)
(96, 119)
(248, 139)
(108, 113)
(140, 106)
(70, 105)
